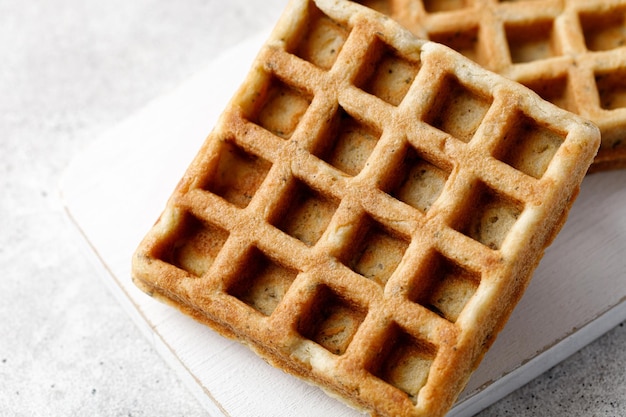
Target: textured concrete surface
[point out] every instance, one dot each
(69, 71)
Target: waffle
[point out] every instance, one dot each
(368, 209)
(571, 52)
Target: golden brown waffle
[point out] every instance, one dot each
(571, 52)
(368, 209)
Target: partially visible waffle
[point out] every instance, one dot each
(368, 210)
(571, 52)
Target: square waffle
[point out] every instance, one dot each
(571, 52)
(368, 209)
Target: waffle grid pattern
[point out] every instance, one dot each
(348, 221)
(571, 52)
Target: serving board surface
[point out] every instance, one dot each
(115, 190)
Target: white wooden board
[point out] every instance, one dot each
(115, 190)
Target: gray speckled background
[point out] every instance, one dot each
(69, 71)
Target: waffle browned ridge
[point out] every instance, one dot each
(571, 52)
(368, 210)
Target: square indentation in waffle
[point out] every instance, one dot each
(375, 251)
(368, 205)
(386, 74)
(331, 319)
(531, 41)
(322, 41)
(460, 111)
(611, 88)
(261, 282)
(404, 361)
(304, 213)
(604, 29)
(487, 215)
(280, 108)
(350, 143)
(238, 174)
(418, 182)
(193, 245)
(529, 146)
(443, 286)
